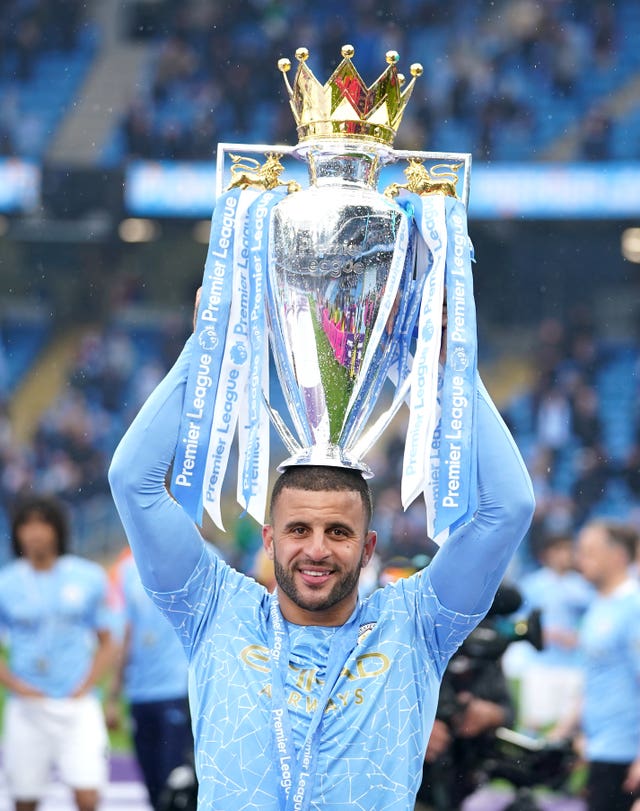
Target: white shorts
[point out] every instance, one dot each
(40, 734)
(548, 694)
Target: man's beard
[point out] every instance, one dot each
(344, 586)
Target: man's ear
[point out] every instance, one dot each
(369, 547)
(267, 540)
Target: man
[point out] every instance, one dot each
(53, 612)
(610, 644)
(552, 677)
(152, 673)
(310, 698)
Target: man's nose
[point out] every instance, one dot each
(317, 545)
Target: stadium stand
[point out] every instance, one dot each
(527, 82)
(46, 52)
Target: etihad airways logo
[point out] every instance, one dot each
(305, 686)
(366, 666)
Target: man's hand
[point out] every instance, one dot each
(27, 691)
(439, 741)
(112, 714)
(478, 716)
(632, 780)
(15, 685)
(560, 636)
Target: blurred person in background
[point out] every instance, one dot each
(552, 677)
(609, 642)
(54, 617)
(152, 674)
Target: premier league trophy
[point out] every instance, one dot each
(347, 285)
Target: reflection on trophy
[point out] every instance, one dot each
(349, 285)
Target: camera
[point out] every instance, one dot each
(475, 671)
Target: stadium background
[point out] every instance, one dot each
(110, 113)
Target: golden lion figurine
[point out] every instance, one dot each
(422, 181)
(249, 172)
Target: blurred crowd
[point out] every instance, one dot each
(488, 68)
(504, 79)
(69, 453)
(29, 30)
(579, 425)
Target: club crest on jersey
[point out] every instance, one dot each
(365, 630)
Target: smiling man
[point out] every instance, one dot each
(319, 541)
(311, 698)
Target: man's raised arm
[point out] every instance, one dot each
(467, 570)
(165, 542)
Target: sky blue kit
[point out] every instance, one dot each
(256, 681)
(563, 599)
(610, 642)
(51, 618)
(156, 667)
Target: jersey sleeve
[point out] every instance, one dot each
(468, 568)
(165, 542)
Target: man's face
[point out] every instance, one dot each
(560, 556)
(596, 557)
(318, 542)
(37, 540)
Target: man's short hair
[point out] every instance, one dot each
(318, 478)
(550, 540)
(619, 534)
(44, 509)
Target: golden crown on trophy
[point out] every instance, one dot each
(344, 107)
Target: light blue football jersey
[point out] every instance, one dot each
(372, 740)
(610, 643)
(50, 619)
(156, 666)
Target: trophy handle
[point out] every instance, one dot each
(375, 430)
(281, 427)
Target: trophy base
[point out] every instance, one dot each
(326, 456)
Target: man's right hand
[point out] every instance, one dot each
(439, 741)
(27, 691)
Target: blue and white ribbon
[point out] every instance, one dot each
(253, 437)
(234, 371)
(230, 370)
(458, 469)
(440, 448)
(204, 373)
(416, 473)
(297, 769)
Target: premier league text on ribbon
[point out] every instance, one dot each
(453, 420)
(251, 471)
(203, 382)
(210, 312)
(225, 427)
